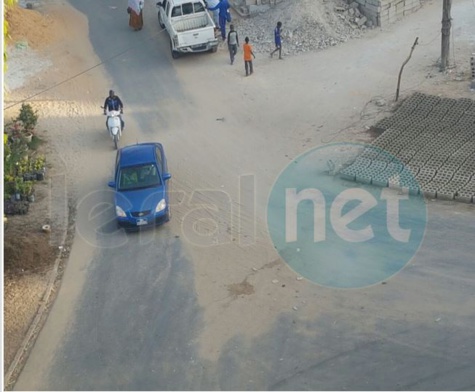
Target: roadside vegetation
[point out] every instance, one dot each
(7, 3)
(23, 165)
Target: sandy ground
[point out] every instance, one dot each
(30, 71)
(285, 108)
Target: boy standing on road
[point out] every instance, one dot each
(277, 40)
(233, 43)
(248, 54)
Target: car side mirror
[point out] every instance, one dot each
(167, 176)
(111, 184)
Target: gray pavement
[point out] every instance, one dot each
(137, 322)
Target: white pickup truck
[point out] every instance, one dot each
(189, 25)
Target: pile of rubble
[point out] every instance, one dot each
(352, 14)
(307, 25)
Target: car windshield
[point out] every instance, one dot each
(138, 177)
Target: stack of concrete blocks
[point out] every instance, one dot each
(428, 148)
(384, 12)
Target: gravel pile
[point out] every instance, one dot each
(307, 25)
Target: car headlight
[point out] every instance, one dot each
(120, 212)
(161, 205)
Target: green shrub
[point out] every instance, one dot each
(35, 143)
(28, 117)
(39, 163)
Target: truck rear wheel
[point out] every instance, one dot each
(175, 54)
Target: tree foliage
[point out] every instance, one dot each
(6, 4)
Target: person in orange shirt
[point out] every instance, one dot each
(248, 55)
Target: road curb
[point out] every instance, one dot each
(31, 335)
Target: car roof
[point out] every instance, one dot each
(138, 154)
(180, 2)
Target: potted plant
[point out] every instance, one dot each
(18, 188)
(9, 182)
(29, 176)
(9, 187)
(39, 167)
(28, 170)
(16, 130)
(28, 117)
(27, 136)
(23, 166)
(28, 191)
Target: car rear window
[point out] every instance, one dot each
(198, 7)
(187, 8)
(176, 11)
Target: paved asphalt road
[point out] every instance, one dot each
(137, 322)
(136, 328)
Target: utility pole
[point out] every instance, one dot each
(446, 25)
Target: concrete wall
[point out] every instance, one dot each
(384, 12)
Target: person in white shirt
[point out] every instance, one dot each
(215, 13)
(233, 43)
(135, 10)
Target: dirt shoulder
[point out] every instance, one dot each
(32, 257)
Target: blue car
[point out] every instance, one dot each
(141, 186)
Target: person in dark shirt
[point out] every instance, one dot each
(277, 40)
(113, 102)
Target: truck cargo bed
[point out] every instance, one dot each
(192, 23)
